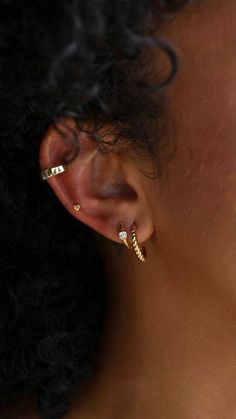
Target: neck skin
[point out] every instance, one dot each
(168, 348)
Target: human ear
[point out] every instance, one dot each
(106, 184)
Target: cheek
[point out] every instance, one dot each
(199, 185)
(197, 193)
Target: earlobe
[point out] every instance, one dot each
(99, 189)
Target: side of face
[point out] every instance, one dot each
(195, 202)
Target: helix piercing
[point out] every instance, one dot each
(53, 171)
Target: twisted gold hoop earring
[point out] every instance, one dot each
(140, 253)
(123, 235)
(53, 171)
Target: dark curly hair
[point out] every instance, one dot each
(76, 58)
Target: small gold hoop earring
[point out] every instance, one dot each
(53, 171)
(123, 235)
(140, 253)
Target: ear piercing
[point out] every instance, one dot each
(53, 171)
(123, 235)
(77, 207)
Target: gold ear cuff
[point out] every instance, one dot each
(123, 235)
(53, 171)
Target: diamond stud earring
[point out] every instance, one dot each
(123, 235)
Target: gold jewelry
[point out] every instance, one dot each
(77, 207)
(123, 235)
(53, 171)
(140, 253)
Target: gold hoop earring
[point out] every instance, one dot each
(53, 171)
(140, 253)
(123, 235)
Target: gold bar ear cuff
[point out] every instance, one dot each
(53, 171)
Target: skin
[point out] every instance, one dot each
(168, 349)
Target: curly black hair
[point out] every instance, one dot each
(76, 58)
